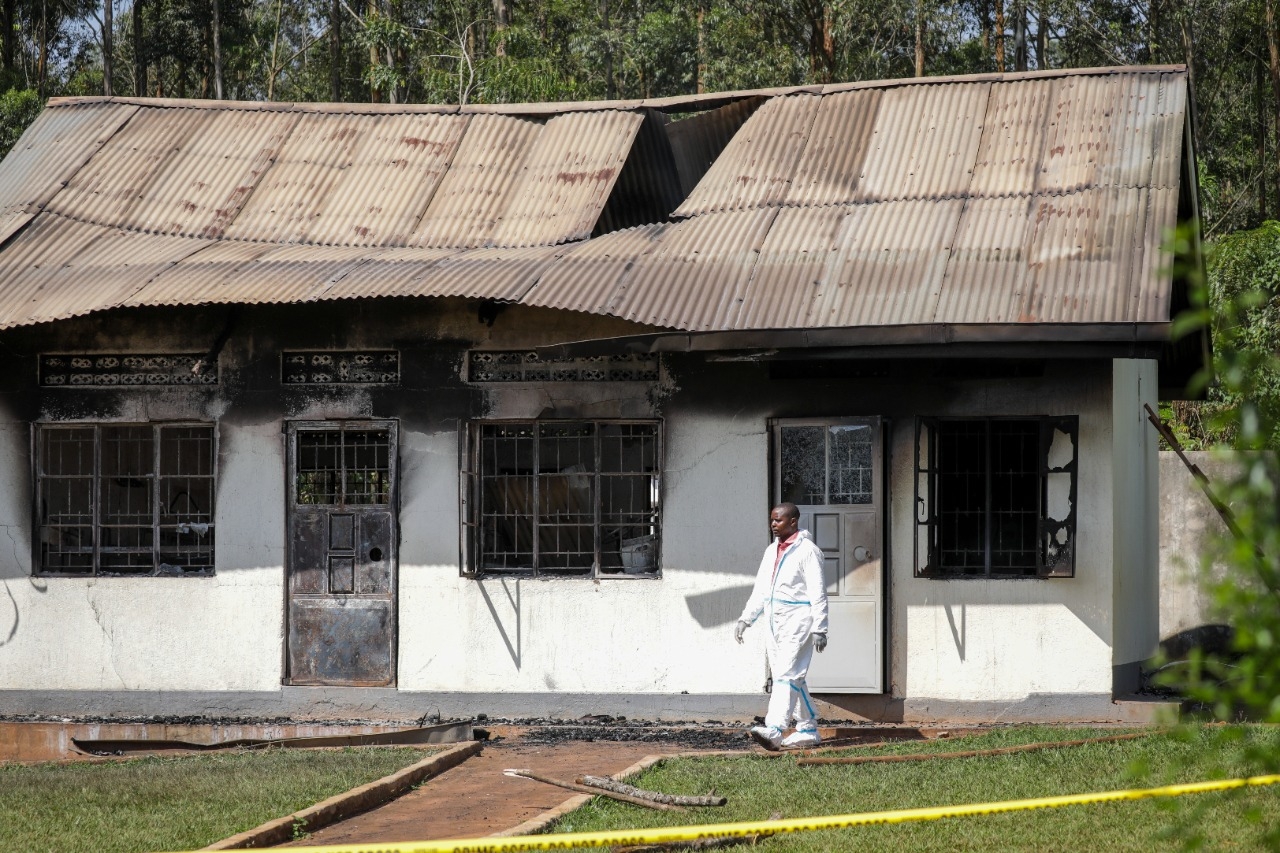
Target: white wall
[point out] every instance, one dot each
(1136, 521)
(1005, 640)
(116, 633)
(962, 641)
(573, 634)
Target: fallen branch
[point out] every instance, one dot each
(604, 783)
(972, 753)
(716, 843)
(595, 792)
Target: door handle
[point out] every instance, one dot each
(861, 554)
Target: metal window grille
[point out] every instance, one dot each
(127, 499)
(563, 497)
(996, 497)
(344, 467)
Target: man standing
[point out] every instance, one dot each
(791, 592)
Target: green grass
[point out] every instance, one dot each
(758, 786)
(181, 803)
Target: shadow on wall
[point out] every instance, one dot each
(12, 571)
(720, 607)
(509, 627)
(1175, 654)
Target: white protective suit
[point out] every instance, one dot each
(793, 598)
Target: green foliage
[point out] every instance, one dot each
(758, 786)
(18, 108)
(1242, 682)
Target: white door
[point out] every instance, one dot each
(831, 470)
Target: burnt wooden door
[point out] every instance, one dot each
(342, 553)
(832, 470)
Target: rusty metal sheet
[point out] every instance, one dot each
(200, 187)
(1152, 283)
(250, 273)
(393, 174)
(695, 276)
(836, 149)
(474, 192)
(758, 164)
(587, 276)
(566, 178)
(495, 273)
(925, 142)
(791, 272)
(1084, 252)
(888, 264)
(52, 149)
(1079, 133)
(307, 171)
(988, 270)
(387, 272)
(1174, 125)
(117, 180)
(1013, 138)
(58, 268)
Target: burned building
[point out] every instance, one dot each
(338, 410)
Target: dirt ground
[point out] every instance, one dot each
(475, 799)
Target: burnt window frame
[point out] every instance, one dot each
(1054, 559)
(472, 503)
(204, 529)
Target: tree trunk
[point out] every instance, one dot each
(1042, 42)
(335, 51)
(502, 20)
(139, 53)
(1188, 57)
(701, 82)
(106, 47)
(217, 54)
(8, 17)
(919, 38)
(828, 42)
(1273, 56)
(609, 91)
(42, 64)
(1020, 36)
(1260, 136)
(999, 4)
(1153, 29)
(375, 95)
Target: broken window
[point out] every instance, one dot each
(996, 497)
(562, 498)
(125, 499)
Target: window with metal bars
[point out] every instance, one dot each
(996, 497)
(562, 498)
(124, 499)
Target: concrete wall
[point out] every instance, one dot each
(1001, 644)
(1136, 574)
(956, 647)
(1187, 521)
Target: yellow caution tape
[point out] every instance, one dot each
(623, 837)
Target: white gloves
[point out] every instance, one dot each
(738, 630)
(819, 642)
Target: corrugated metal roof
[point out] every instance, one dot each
(53, 149)
(993, 199)
(695, 276)
(587, 276)
(566, 179)
(757, 166)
